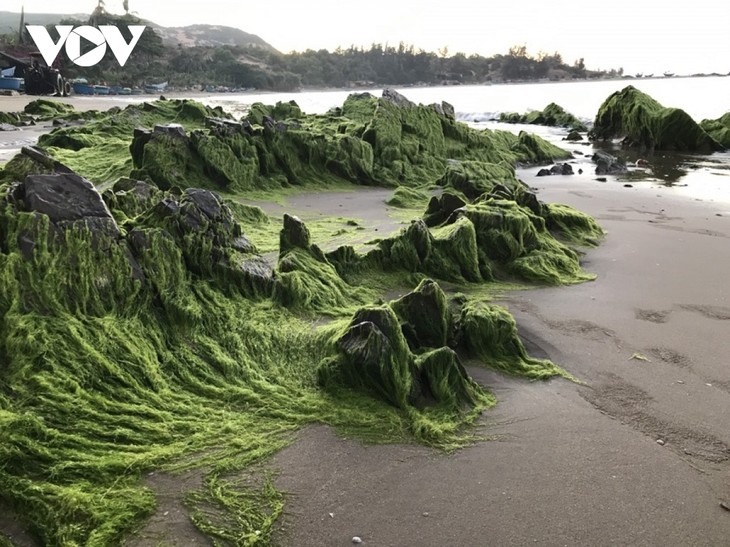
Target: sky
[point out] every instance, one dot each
(640, 36)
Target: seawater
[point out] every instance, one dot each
(698, 176)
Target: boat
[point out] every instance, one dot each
(101, 90)
(155, 88)
(14, 84)
(82, 87)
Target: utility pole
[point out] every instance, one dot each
(21, 28)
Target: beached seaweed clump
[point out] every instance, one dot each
(553, 115)
(641, 122)
(141, 329)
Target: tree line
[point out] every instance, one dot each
(260, 68)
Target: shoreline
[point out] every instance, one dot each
(569, 464)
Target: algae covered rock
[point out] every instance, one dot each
(294, 234)
(718, 129)
(552, 115)
(489, 333)
(641, 122)
(374, 355)
(424, 315)
(442, 207)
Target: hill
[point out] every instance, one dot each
(9, 20)
(210, 35)
(190, 36)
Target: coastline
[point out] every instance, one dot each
(569, 463)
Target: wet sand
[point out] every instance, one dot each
(571, 464)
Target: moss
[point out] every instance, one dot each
(516, 240)
(424, 315)
(311, 284)
(47, 109)
(489, 333)
(456, 255)
(718, 129)
(552, 115)
(174, 345)
(408, 198)
(641, 122)
(572, 225)
(474, 178)
(99, 149)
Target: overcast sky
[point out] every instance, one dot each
(648, 36)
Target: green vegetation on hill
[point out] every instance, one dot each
(222, 56)
(141, 330)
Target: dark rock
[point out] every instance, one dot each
(448, 110)
(573, 136)
(295, 234)
(606, 164)
(602, 179)
(580, 171)
(397, 99)
(42, 158)
(141, 189)
(205, 201)
(420, 237)
(561, 169)
(140, 137)
(65, 197)
(257, 277)
(628, 185)
(243, 245)
(172, 130)
(529, 199)
(441, 207)
(167, 207)
(544, 172)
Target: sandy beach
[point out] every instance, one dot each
(637, 454)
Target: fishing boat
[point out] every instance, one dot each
(14, 84)
(155, 88)
(101, 90)
(82, 87)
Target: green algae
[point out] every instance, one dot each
(572, 225)
(159, 349)
(99, 149)
(489, 333)
(47, 109)
(718, 129)
(408, 198)
(552, 115)
(641, 122)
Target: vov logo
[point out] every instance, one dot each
(101, 37)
